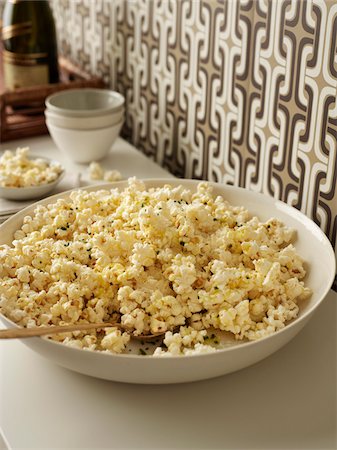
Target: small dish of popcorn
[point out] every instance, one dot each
(24, 177)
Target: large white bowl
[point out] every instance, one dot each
(311, 243)
(85, 123)
(84, 146)
(85, 102)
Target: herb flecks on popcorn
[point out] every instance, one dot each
(165, 259)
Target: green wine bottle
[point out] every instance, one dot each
(29, 44)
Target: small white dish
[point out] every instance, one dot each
(85, 102)
(85, 123)
(84, 146)
(31, 192)
(133, 368)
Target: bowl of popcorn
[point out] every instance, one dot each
(24, 176)
(84, 123)
(224, 274)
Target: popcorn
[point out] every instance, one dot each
(17, 170)
(114, 340)
(96, 172)
(112, 175)
(165, 259)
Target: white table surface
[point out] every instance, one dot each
(287, 401)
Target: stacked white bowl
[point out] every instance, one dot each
(84, 123)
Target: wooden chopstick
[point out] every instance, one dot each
(20, 333)
(14, 333)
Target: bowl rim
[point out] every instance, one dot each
(192, 182)
(39, 186)
(88, 130)
(55, 115)
(85, 112)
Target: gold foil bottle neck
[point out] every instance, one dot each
(18, 29)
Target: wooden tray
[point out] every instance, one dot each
(22, 110)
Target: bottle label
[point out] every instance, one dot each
(22, 70)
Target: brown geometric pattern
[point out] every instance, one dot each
(85, 33)
(241, 92)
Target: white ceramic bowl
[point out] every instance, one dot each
(84, 146)
(151, 370)
(85, 102)
(31, 192)
(85, 123)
